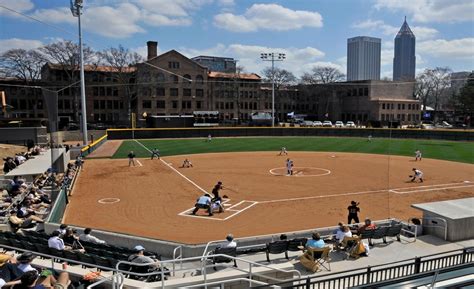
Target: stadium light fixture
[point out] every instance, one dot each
(273, 57)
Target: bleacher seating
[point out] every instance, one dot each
(382, 233)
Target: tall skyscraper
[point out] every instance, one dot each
(404, 60)
(363, 58)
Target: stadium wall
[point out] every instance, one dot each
(151, 133)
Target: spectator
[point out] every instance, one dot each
(139, 257)
(32, 280)
(87, 237)
(342, 234)
(62, 229)
(315, 242)
(368, 225)
(8, 270)
(283, 237)
(9, 165)
(24, 262)
(69, 238)
(230, 243)
(56, 242)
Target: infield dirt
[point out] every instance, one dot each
(155, 199)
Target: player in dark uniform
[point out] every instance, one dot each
(217, 199)
(353, 211)
(131, 158)
(155, 153)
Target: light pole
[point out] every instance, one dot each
(273, 57)
(76, 9)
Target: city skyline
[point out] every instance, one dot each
(404, 61)
(363, 58)
(310, 34)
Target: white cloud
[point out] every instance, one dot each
(268, 17)
(163, 20)
(177, 8)
(14, 43)
(226, 2)
(421, 32)
(386, 57)
(298, 60)
(450, 49)
(432, 10)
(56, 15)
(17, 5)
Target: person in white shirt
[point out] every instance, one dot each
(62, 229)
(57, 243)
(345, 232)
(289, 167)
(24, 262)
(417, 174)
(87, 237)
(230, 243)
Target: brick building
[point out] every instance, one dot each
(23, 99)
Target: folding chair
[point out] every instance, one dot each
(349, 243)
(321, 257)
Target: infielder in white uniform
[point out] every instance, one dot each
(417, 174)
(417, 155)
(283, 151)
(289, 167)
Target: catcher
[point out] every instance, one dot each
(417, 174)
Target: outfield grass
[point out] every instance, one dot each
(444, 150)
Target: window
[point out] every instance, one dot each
(96, 104)
(403, 117)
(366, 91)
(115, 92)
(67, 104)
(173, 64)
(160, 104)
(109, 104)
(409, 108)
(174, 104)
(160, 91)
(95, 91)
(173, 92)
(409, 117)
(185, 104)
(174, 79)
(187, 92)
(146, 103)
(383, 117)
(198, 104)
(383, 105)
(160, 77)
(399, 106)
(199, 79)
(186, 77)
(403, 106)
(109, 91)
(116, 104)
(102, 104)
(361, 91)
(60, 104)
(121, 104)
(199, 92)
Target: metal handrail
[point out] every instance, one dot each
(116, 284)
(203, 267)
(229, 281)
(179, 257)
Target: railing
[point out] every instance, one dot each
(177, 256)
(382, 272)
(204, 267)
(116, 280)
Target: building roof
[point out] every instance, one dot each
(452, 209)
(247, 76)
(395, 99)
(212, 58)
(172, 51)
(99, 68)
(405, 30)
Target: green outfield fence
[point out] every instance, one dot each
(150, 133)
(85, 151)
(59, 207)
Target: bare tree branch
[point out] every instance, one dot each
(322, 74)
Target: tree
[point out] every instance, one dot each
(322, 74)
(432, 87)
(464, 100)
(282, 77)
(23, 64)
(26, 66)
(122, 60)
(66, 54)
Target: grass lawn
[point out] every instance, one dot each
(436, 149)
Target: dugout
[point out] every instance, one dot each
(451, 220)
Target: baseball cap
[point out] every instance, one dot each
(138, 248)
(25, 257)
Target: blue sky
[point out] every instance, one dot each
(310, 32)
